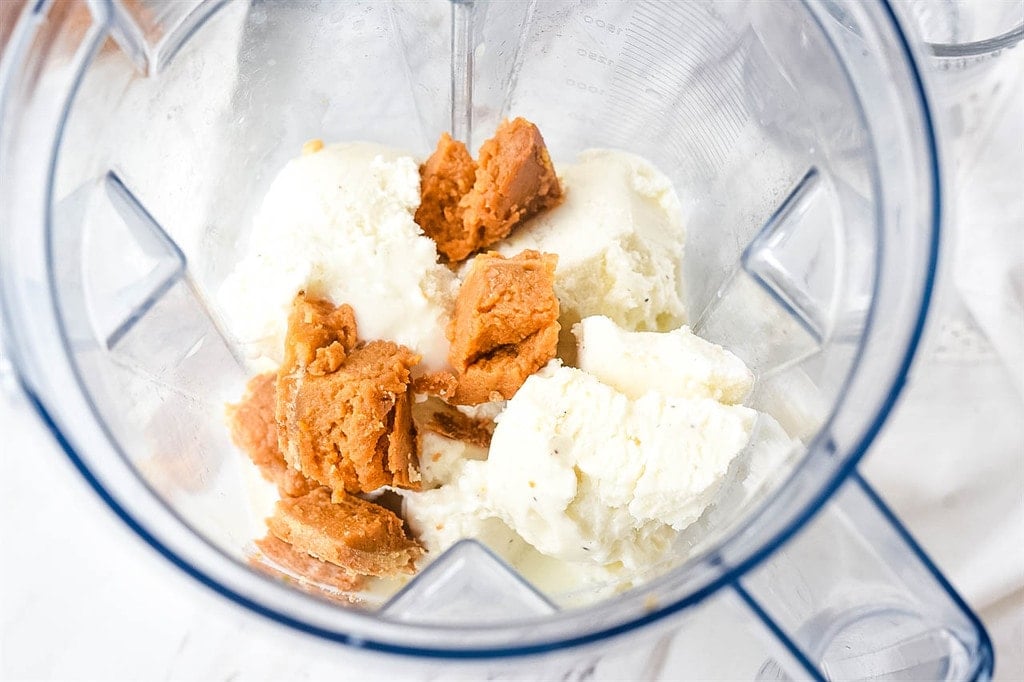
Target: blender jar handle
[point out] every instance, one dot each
(852, 596)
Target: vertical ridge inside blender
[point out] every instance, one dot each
(777, 256)
(143, 243)
(155, 246)
(151, 34)
(462, 57)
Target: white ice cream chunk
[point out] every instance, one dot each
(688, 447)
(583, 473)
(339, 224)
(619, 238)
(601, 467)
(764, 460)
(677, 363)
(457, 510)
(441, 517)
(441, 458)
(769, 456)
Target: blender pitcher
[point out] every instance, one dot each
(138, 136)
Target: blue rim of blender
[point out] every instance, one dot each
(730, 577)
(978, 48)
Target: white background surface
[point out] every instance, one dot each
(82, 598)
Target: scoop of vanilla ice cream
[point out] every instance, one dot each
(677, 363)
(339, 224)
(619, 238)
(768, 456)
(442, 516)
(441, 458)
(758, 466)
(690, 444)
(583, 473)
(532, 480)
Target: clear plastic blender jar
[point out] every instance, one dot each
(138, 136)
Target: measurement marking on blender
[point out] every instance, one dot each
(625, 132)
(711, 32)
(584, 86)
(626, 105)
(683, 153)
(661, 92)
(710, 139)
(668, 54)
(624, 108)
(638, 55)
(694, 64)
(653, 74)
(657, 45)
(594, 56)
(663, 89)
(633, 78)
(614, 29)
(651, 30)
